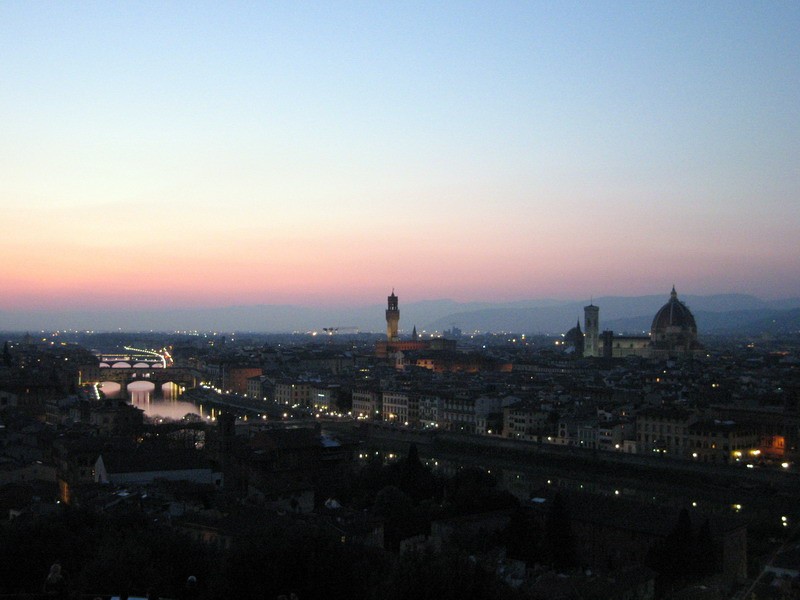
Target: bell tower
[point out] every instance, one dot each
(392, 318)
(591, 328)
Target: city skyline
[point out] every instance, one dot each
(723, 313)
(201, 155)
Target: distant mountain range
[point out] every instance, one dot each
(738, 321)
(726, 313)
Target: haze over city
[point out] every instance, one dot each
(167, 156)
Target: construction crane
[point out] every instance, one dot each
(347, 329)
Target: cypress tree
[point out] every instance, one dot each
(558, 535)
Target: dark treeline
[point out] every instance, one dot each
(102, 554)
(407, 496)
(131, 552)
(98, 553)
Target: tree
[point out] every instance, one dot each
(280, 557)
(97, 553)
(559, 538)
(397, 511)
(7, 360)
(439, 576)
(705, 558)
(416, 479)
(675, 557)
(474, 490)
(523, 539)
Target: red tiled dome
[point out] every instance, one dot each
(674, 314)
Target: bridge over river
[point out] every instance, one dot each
(183, 376)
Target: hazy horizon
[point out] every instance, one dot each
(541, 315)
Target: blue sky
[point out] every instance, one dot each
(291, 152)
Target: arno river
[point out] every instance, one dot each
(164, 403)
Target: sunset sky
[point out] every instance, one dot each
(206, 154)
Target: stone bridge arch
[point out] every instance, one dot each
(110, 388)
(159, 376)
(142, 385)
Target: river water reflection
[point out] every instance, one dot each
(164, 403)
(165, 408)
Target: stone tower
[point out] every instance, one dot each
(591, 327)
(392, 319)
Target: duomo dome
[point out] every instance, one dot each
(673, 334)
(674, 328)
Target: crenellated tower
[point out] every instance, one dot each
(392, 319)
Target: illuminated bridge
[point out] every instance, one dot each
(135, 358)
(137, 370)
(157, 375)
